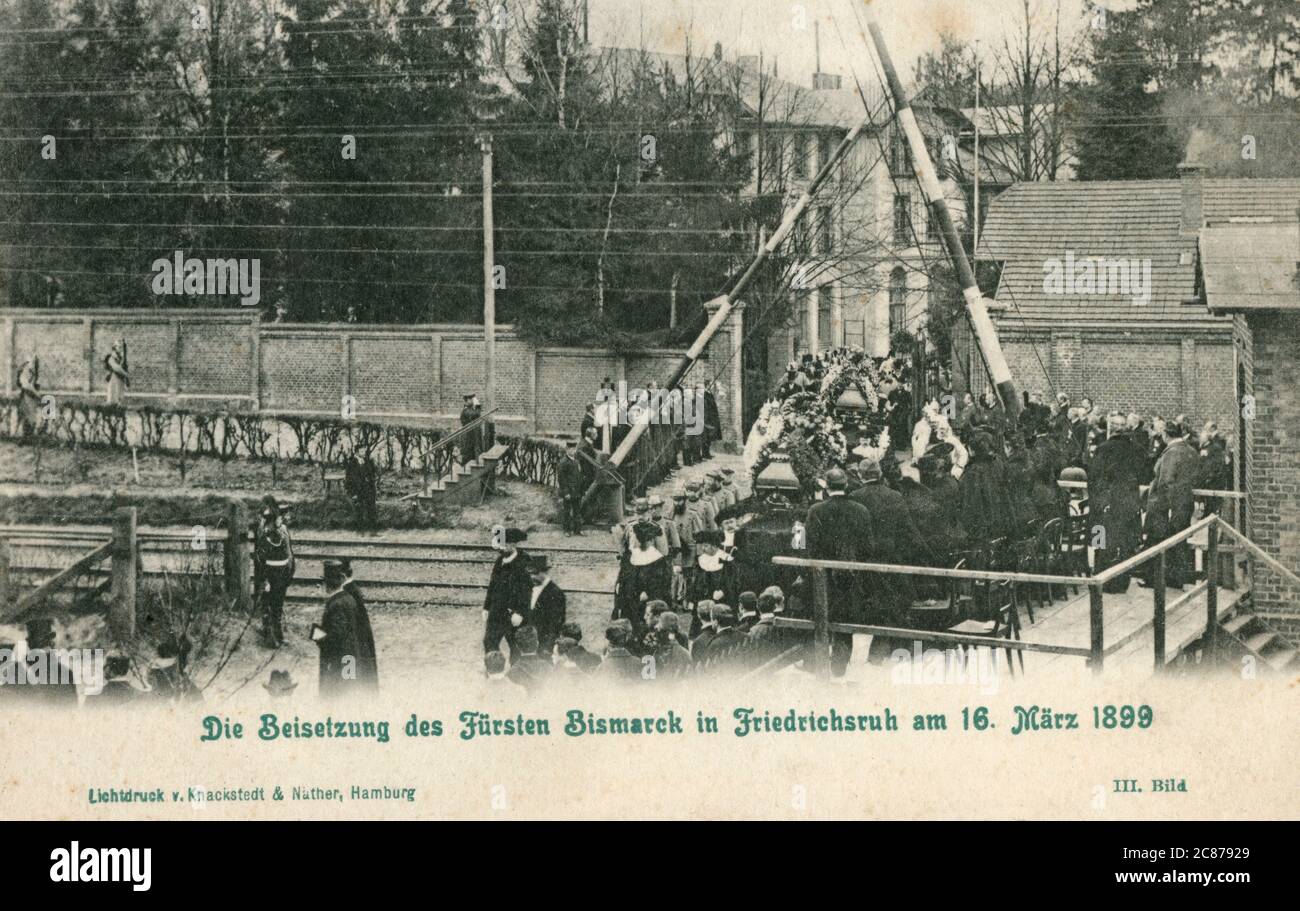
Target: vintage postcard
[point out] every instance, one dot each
(603, 409)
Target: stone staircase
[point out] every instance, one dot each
(464, 485)
(1257, 638)
(686, 473)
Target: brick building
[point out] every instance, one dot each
(1095, 291)
(1252, 271)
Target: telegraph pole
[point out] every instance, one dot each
(489, 289)
(976, 309)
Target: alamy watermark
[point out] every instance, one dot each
(212, 277)
(624, 405)
(53, 667)
(1102, 276)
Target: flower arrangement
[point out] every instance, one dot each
(802, 421)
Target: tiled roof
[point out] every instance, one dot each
(1031, 225)
(1253, 266)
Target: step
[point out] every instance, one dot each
(495, 453)
(1236, 624)
(1260, 641)
(1281, 659)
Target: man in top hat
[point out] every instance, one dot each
(546, 604)
(838, 528)
(338, 638)
(505, 606)
(572, 480)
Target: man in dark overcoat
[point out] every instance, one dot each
(1170, 503)
(1114, 476)
(338, 638)
(838, 528)
(571, 479)
(505, 607)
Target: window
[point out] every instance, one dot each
(855, 333)
(903, 220)
(825, 230)
(932, 232)
(824, 149)
(772, 157)
(800, 155)
(897, 300)
(900, 155)
(825, 311)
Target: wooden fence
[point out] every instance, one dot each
(122, 550)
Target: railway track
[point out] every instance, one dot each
(404, 570)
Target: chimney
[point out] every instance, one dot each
(1191, 177)
(717, 51)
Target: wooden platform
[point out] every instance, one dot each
(1127, 632)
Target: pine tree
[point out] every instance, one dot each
(1123, 135)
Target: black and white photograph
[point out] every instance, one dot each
(479, 409)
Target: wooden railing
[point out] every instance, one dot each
(122, 549)
(1097, 650)
(438, 457)
(127, 541)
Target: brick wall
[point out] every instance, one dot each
(201, 359)
(1274, 461)
(1155, 372)
(214, 358)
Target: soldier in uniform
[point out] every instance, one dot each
(704, 508)
(29, 396)
(273, 555)
(684, 523)
(729, 492)
(673, 541)
(469, 443)
(118, 374)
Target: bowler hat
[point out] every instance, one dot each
(280, 682)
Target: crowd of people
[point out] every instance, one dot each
(977, 491)
(529, 641)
